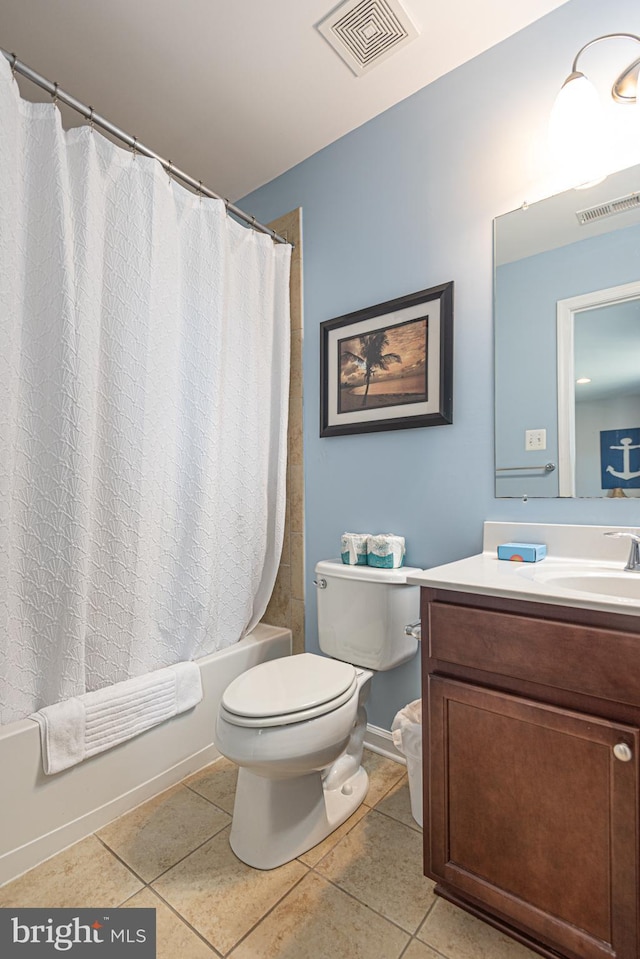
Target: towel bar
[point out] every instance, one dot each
(548, 468)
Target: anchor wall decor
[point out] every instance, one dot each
(620, 458)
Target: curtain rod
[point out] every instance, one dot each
(17, 66)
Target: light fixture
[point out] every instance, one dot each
(578, 137)
(582, 380)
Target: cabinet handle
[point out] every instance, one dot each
(622, 752)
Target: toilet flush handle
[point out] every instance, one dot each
(320, 582)
(414, 629)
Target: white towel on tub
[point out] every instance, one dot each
(85, 725)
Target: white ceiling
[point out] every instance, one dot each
(236, 92)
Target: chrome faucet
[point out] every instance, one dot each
(633, 563)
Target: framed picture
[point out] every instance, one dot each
(388, 367)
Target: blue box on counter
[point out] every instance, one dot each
(522, 552)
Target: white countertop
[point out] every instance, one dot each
(485, 574)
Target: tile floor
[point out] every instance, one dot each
(360, 893)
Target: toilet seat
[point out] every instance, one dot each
(289, 690)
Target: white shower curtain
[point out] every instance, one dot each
(144, 344)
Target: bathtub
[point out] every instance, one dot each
(40, 815)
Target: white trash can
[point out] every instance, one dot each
(406, 731)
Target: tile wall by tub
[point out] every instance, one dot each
(286, 607)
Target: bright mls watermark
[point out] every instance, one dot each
(101, 933)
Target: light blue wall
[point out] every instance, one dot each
(403, 203)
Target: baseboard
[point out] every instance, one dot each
(379, 740)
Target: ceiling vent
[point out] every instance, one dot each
(365, 32)
(610, 208)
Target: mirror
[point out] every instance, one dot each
(567, 343)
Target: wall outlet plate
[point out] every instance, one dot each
(535, 439)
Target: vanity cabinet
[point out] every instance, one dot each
(532, 734)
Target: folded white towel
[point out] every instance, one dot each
(85, 725)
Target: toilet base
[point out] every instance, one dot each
(276, 820)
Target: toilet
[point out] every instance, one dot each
(295, 726)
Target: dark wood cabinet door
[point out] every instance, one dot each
(532, 815)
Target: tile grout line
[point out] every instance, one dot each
(414, 938)
(422, 941)
(385, 793)
(121, 861)
(338, 843)
(148, 886)
(271, 908)
(201, 796)
(417, 829)
(371, 908)
(164, 872)
(210, 801)
(169, 868)
(369, 809)
(399, 822)
(179, 915)
(185, 921)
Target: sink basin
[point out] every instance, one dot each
(616, 583)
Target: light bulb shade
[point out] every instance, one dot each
(577, 132)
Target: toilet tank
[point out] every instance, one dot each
(363, 611)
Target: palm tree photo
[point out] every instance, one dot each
(371, 357)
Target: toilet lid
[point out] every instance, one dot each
(292, 685)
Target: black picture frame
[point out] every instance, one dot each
(360, 357)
